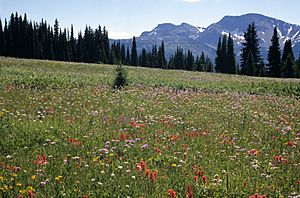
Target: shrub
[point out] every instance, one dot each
(120, 78)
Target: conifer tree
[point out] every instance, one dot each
(120, 78)
(197, 65)
(123, 54)
(231, 63)
(287, 50)
(202, 62)
(297, 67)
(250, 52)
(128, 60)
(79, 48)
(161, 56)
(261, 69)
(288, 67)
(189, 60)
(72, 44)
(250, 68)
(143, 60)
(224, 67)
(134, 54)
(274, 54)
(154, 59)
(287, 54)
(218, 59)
(1, 38)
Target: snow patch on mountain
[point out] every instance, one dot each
(201, 29)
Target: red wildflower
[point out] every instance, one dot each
(298, 182)
(122, 136)
(196, 178)
(157, 150)
(148, 172)
(85, 196)
(172, 193)
(41, 160)
(257, 196)
(74, 141)
(132, 123)
(153, 176)
(291, 144)
(7, 167)
(30, 194)
(199, 173)
(253, 152)
(138, 167)
(200, 168)
(189, 193)
(278, 158)
(16, 169)
(204, 179)
(143, 164)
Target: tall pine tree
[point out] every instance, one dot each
(134, 53)
(231, 64)
(218, 59)
(274, 54)
(1, 38)
(288, 60)
(224, 67)
(250, 52)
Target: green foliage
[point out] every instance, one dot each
(120, 78)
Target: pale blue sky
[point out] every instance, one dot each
(125, 18)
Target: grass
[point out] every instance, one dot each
(65, 133)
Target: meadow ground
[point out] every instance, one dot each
(65, 133)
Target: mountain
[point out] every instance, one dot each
(198, 39)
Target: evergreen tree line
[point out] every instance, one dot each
(225, 59)
(22, 38)
(26, 39)
(187, 61)
(252, 64)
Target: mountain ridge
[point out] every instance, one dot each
(198, 39)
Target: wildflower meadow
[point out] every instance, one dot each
(64, 132)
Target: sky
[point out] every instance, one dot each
(127, 18)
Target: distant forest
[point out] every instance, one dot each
(23, 38)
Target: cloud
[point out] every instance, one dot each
(192, 1)
(118, 35)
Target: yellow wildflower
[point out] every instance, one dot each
(95, 159)
(58, 178)
(174, 165)
(22, 191)
(1, 179)
(1, 114)
(33, 177)
(18, 184)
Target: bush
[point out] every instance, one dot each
(120, 78)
